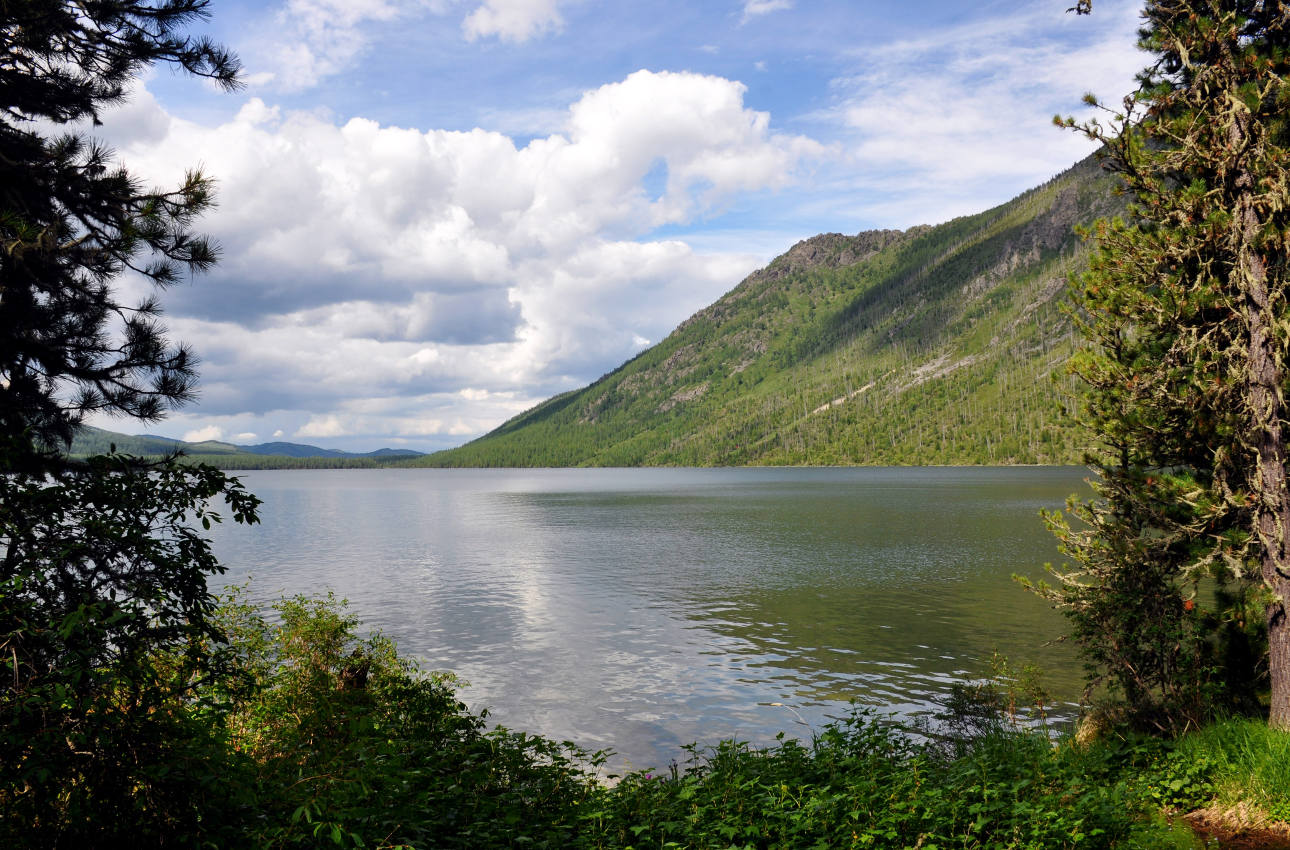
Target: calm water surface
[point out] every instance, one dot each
(642, 609)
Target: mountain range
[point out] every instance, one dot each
(90, 440)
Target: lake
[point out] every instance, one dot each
(643, 609)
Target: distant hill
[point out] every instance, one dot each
(300, 450)
(90, 440)
(935, 345)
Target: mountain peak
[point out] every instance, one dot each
(832, 251)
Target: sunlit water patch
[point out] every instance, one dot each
(644, 609)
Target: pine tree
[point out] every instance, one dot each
(1186, 312)
(105, 626)
(72, 221)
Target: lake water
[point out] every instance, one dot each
(643, 609)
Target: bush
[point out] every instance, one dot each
(861, 783)
(316, 735)
(348, 743)
(105, 628)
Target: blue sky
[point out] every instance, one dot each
(437, 213)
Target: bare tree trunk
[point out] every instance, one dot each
(1267, 410)
(1272, 519)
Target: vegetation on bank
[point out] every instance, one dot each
(242, 461)
(316, 735)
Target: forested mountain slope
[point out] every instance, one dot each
(936, 345)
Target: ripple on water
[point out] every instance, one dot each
(644, 609)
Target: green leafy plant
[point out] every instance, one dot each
(350, 744)
(106, 633)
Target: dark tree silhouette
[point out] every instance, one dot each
(72, 221)
(105, 628)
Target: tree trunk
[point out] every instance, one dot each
(1267, 411)
(1271, 516)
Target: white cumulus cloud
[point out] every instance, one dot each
(201, 435)
(367, 264)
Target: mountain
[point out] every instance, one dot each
(300, 450)
(935, 345)
(90, 440)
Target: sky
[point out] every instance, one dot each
(434, 214)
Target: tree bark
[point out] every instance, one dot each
(1267, 413)
(1272, 519)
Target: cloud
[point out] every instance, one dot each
(970, 106)
(513, 20)
(323, 426)
(245, 436)
(310, 40)
(370, 263)
(756, 8)
(426, 226)
(304, 42)
(201, 435)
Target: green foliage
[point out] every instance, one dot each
(104, 629)
(344, 743)
(1235, 762)
(937, 345)
(316, 735)
(1244, 762)
(1184, 310)
(861, 784)
(347, 744)
(246, 461)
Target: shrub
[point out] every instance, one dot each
(349, 743)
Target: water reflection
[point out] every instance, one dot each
(644, 609)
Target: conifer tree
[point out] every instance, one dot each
(72, 220)
(105, 627)
(1185, 306)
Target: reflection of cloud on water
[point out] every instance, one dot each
(645, 609)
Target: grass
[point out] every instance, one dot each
(1246, 761)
